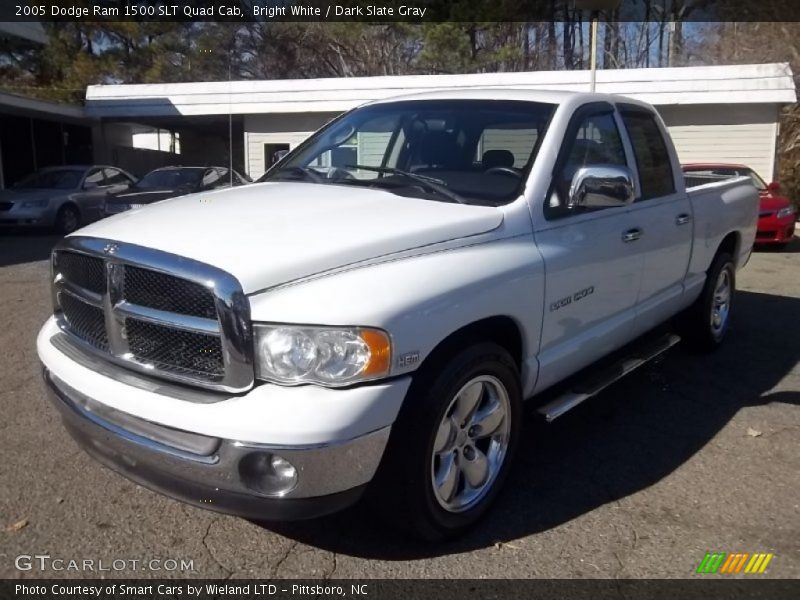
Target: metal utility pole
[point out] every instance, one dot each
(595, 6)
(593, 42)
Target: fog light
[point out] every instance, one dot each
(268, 474)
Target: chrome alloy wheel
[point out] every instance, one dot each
(471, 444)
(721, 303)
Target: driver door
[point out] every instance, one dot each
(592, 273)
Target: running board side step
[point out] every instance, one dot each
(597, 382)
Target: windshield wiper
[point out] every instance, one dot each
(431, 183)
(305, 172)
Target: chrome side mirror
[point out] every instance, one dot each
(601, 186)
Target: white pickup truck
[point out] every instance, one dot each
(371, 316)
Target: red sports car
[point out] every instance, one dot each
(776, 214)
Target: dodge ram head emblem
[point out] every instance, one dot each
(111, 248)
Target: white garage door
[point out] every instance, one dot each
(725, 134)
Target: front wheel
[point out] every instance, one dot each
(67, 220)
(452, 444)
(704, 324)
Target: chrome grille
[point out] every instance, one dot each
(83, 271)
(84, 320)
(154, 312)
(165, 292)
(194, 354)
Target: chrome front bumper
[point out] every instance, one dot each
(212, 473)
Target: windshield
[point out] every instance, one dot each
(57, 179)
(471, 151)
(170, 178)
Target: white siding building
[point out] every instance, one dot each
(715, 114)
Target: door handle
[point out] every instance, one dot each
(682, 219)
(631, 235)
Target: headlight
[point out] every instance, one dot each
(785, 212)
(35, 203)
(331, 356)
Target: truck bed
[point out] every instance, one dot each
(720, 207)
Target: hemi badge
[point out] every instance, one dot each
(408, 359)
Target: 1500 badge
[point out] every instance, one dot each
(567, 300)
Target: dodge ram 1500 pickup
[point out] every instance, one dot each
(371, 315)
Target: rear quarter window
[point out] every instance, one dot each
(652, 157)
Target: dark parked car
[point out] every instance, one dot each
(169, 182)
(61, 198)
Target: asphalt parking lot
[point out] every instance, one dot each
(686, 456)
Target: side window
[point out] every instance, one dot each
(509, 146)
(226, 176)
(94, 179)
(212, 179)
(596, 141)
(652, 156)
(116, 177)
(368, 146)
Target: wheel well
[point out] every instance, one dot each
(730, 244)
(501, 330)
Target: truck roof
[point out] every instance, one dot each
(522, 94)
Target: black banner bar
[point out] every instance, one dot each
(711, 587)
(382, 11)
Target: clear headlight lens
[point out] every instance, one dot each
(785, 212)
(323, 355)
(35, 203)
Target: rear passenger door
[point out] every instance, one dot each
(662, 213)
(592, 274)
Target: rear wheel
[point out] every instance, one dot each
(704, 324)
(452, 444)
(67, 220)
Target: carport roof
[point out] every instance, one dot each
(32, 107)
(735, 84)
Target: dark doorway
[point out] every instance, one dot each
(273, 153)
(29, 144)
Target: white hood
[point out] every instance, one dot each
(272, 233)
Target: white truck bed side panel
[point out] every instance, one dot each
(719, 209)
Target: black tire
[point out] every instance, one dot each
(703, 326)
(403, 489)
(67, 220)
